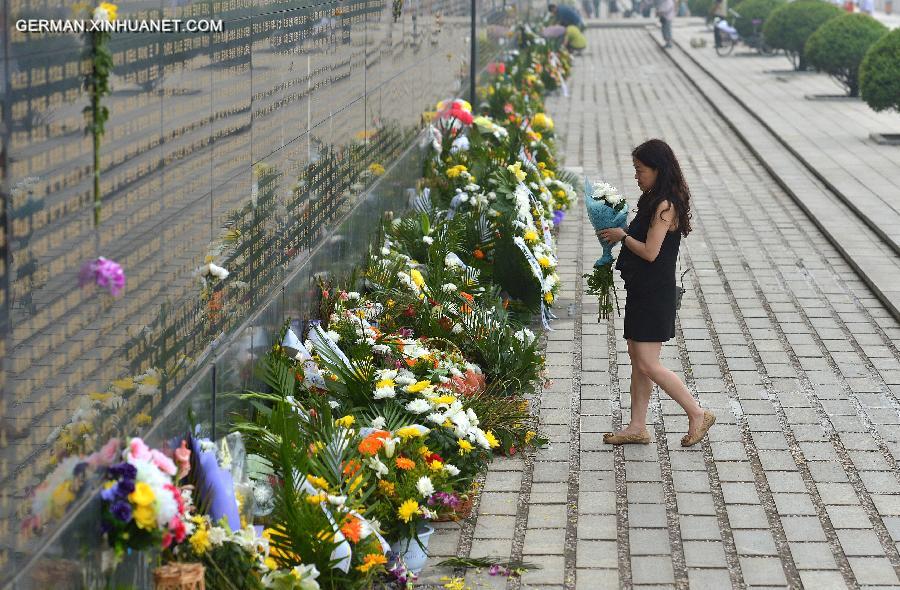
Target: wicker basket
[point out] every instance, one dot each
(180, 576)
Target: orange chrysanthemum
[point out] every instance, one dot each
(478, 253)
(405, 464)
(351, 468)
(352, 529)
(466, 296)
(370, 445)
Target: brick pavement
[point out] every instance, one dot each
(824, 144)
(797, 484)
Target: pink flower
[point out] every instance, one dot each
(138, 451)
(105, 456)
(164, 464)
(183, 459)
(177, 527)
(105, 273)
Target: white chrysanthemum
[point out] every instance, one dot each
(379, 423)
(480, 438)
(428, 240)
(418, 406)
(405, 377)
(385, 392)
(449, 288)
(333, 336)
(460, 144)
(337, 500)
(424, 486)
(453, 470)
(436, 418)
(457, 329)
(217, 535)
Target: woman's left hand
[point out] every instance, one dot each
(612, 235)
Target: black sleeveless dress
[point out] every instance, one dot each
(649, 286)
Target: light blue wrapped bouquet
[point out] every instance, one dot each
(606, 209)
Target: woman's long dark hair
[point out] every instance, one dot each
(670, 185)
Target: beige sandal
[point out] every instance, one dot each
(642, 438)
(689, 440)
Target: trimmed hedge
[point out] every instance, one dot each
(789, 26)
(879, 73)
(750, 10)
(839, 46)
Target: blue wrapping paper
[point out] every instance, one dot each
(603, 216)
(216, 487)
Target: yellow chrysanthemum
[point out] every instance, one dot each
(316, 498)
(435, 465)
(354, 485)
(542, 121)
(529, 436)
(385, 383)
(319, 482)
(200, 541)
(465, 447)
(444, 399)
(142, 495)
(111, 9)
(531, 236)
(548, 298)
(492, 440)
(407, 510)
(347, 421)
(418, 386)
(517, 171)
(386, 487)
(544, 262)
(408, 432)
(424, 451)
(417, 277)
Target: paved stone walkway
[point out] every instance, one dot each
(798, 484)
(852, 183)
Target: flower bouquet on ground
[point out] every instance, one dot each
(606, 209)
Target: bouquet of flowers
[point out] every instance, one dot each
(606, 209)
(141, 505)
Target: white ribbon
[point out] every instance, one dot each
(320, 339)
(532, 261)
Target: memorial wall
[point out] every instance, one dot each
(271, 149)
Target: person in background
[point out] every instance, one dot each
(613, 8)
(867, 7)
(665, 10)
(718, 10)
(574, 40)
(596, 8)
(566, 15)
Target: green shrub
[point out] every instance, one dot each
(700, 7)
(839, 46)
(751, 10)
(879, 74)
(789, 26)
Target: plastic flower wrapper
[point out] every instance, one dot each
(606, 209)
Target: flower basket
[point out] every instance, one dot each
(180, 576)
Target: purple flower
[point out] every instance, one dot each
(109, 494)
(558, 216)
(105, 273)
(121, 510)
(125, 487)
(122, 471)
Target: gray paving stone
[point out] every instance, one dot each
(596, 554)
(873, 570)
(704, 554)
(652, 570)
(754, 542)
(544, 541)
(760, 571)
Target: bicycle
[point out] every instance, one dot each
(727, 36)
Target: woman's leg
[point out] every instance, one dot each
(641, 387)
(645, 357)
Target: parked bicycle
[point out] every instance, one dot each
(727, 36)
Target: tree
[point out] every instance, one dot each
(839, 46)
(789, 26)
(879, 73)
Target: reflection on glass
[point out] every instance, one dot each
(246, 152)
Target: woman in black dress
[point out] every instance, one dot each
(647, 264)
